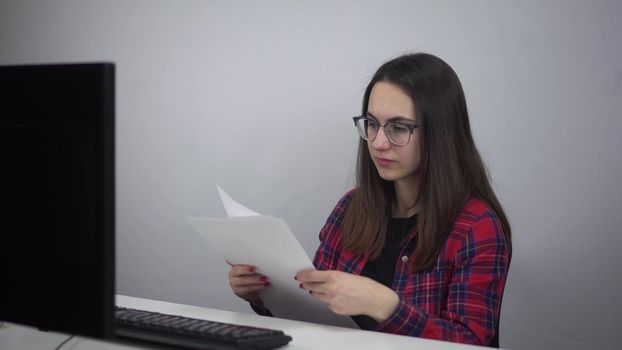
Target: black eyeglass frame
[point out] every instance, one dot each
(411, 128)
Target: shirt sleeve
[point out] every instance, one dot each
(474, 294)
(327, 254)
(261, 310)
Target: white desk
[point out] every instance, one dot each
(305, 335)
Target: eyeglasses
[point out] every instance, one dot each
(397, 132)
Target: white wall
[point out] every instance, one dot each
(257, 97)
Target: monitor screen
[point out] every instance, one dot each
(57, 197)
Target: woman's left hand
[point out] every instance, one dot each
(348, 294)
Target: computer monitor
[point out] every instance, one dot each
(57, 197)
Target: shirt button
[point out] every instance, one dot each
(404, 258)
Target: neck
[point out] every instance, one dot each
(406, 191)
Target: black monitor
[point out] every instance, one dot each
(57, 197)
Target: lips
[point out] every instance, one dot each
(384, 162)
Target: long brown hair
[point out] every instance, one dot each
(451, 168)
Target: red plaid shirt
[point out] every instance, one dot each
(459, 298)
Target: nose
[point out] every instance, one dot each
(381, 141)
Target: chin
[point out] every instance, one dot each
(388, 175)
(393, 175)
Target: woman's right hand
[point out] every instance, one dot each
(246, 283)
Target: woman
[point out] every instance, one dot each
(421, 246)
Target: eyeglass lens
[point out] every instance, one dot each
(397, 133)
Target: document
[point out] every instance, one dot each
(246, 237)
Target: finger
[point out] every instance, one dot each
(246, 290)
(248, 280)
(337, 310)
(312, 276)
(329, 301)
(317, 287)
(241, 270)
(323, 297)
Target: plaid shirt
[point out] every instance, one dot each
(459, 298)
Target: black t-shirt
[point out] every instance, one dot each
(382, 269)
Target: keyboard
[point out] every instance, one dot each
(194, 333)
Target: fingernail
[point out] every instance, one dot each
(301, 286)
(263, 278)
(251, 269)
(267, 284)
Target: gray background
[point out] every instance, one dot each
(257, 97)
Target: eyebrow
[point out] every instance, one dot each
(397, 118)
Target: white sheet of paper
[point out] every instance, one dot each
(267, 242)
(233, 208)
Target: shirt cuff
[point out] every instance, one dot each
(405, 320)
(261, 310)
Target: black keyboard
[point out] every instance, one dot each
(193, 333)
